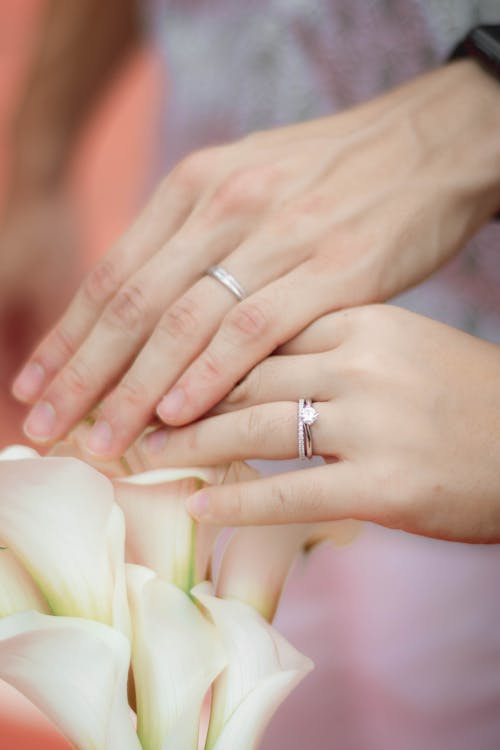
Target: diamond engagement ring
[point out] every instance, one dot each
(307, 416)
(226, 279)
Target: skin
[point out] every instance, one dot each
(407, 427)
(346, 210)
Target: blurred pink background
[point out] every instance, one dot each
(109, 190)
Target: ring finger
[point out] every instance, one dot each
(267, 431)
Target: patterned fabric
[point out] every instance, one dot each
(403, 629)
(451, 19)
(241, 66)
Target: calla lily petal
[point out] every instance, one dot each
(18, 591)
(245, 727)
(176, 655)
(17, 452)
(257, 559)
(262, 669)
(75, 672)
(58, 517)
(161, 534)
(256, 564)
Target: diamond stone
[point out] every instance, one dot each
(309, 415)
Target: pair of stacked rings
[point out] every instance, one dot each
(306, 417)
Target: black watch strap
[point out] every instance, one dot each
(483, 44)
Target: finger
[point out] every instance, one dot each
(138, 244)
(122, 329)
(283, 379)
(179, 337)
(323, 493)
(267, 431)
(250, 332)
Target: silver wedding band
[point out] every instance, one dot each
(306, 417)
(227, 279)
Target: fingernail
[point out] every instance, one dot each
(170, 406)
(154, 442)
(198, 505)
(41, 421)
(100, 438)
(29, 381)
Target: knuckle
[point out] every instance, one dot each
(76, 378)
(195, 169)
(132, 391)
(252, 426)
(63, 343)
(312, 203)
(237, 506)
(243, 190)
(162, 194)
(249, 320)
(191, 439)
(280, 500)
(100, 283)
(313, 503)
(209, 366)
(294, 218)
(128, 310)
(181, 320)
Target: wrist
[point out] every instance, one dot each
(467, 112)
(482, 98)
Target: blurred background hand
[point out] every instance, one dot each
(39, 251)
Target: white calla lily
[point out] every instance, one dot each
(261, 671)
(161, 534)
(176, 655)
(75, 671)
(18, 591)
(58, 517)
(63, 551)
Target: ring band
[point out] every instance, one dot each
(226, 279)
(306, 417)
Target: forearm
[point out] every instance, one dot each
(80, 46)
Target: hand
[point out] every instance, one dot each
(409, 421)
(38, 266)
(336, 212)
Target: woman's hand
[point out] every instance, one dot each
(409, 423)
(336, 212)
